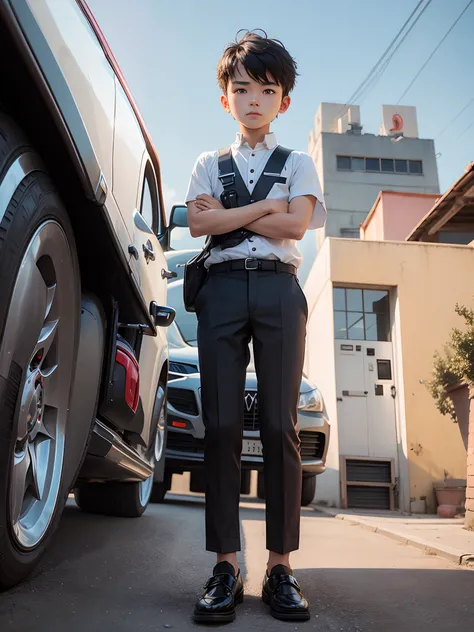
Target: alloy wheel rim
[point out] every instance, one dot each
(39, 339)
(146, 486)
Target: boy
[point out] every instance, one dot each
(252, 293)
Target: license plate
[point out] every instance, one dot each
(252, 447)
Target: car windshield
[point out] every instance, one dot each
(186, 321)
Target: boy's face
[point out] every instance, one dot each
(254, 105)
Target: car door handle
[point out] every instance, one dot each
(166, 274)
(148, 250)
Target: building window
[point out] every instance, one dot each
(401, 166)
(344, 163)
(372, 164)
(350, 233)
(361, 314)
(357, 164)
(415, 166)
(385, 165)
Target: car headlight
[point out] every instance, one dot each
(311, 401)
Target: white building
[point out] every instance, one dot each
(353, 166)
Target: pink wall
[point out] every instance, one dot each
(396, 215)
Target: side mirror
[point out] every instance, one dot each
(162, 316)
(179, 217)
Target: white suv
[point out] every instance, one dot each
(83, 282)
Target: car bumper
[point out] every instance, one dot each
(185, 446)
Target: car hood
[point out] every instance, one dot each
(189, 355)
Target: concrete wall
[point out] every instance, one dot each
(351, 194)
(427, 283)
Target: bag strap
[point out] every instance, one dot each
(230, 176)
(273, 168)
(232, 180)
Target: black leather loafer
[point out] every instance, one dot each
(283, 594)
(223, 591)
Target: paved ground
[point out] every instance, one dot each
(108, 574)
(446, 538)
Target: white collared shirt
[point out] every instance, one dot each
(301, 179)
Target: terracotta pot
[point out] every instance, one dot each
(447, 511)
(448, 493)
(462, 395)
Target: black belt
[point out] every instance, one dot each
(272, 265)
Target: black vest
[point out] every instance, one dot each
(236, 194)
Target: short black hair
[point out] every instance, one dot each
(260, 56)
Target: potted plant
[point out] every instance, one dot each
(452, 383)
(452, 387)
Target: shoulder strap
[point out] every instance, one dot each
(230, 176)
(273, 168)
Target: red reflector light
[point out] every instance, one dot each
(132, 377)
(179, 424)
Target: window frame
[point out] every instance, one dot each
(149, 178)
(380, 160)
(364, 313)
(415, 173)
(372, 170)
(338, 156)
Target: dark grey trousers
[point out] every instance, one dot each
(269, 308)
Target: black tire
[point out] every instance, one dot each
(110, 499)
(34, 207)
(260, 486)
(308, 489)
(245, 481)
(197, 482)
(123, 499)
(160, 489)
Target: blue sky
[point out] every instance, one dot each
(168, 52)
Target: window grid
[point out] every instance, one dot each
(342, 293)
(379, 165)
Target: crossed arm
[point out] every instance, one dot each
(270, 218)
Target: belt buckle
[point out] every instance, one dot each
(251, 263)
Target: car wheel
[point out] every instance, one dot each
(160, 489)
(260, 486)
(245, 479)
(39, 325)
(308, 489)
(127, 500)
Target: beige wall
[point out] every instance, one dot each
(427, 281)
(320, 368)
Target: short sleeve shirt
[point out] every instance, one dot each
(301, 179)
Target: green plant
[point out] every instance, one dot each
(455, 365)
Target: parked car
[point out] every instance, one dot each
(83, 282)
(185, 444)
(177, 259)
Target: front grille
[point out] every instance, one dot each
(312, 445)
(251, 421)
(184, 442)
(183, 400)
